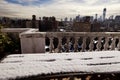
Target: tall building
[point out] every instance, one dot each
(100, 19)
(48, 24)
(66, 19)
(33, 21)
(117, 18)
(96, 16)
(104, 14)
(111, 17)
(71, 19)
(78, 18)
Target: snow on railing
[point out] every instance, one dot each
(33, 41)
(83, 41)
(14, 30)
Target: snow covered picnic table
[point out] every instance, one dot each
(27, 65)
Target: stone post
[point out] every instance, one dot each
(118, 44)
(113, 44)
(84, 44)
(99, 44)
(106, 45)
(32, 43)
(91, 45)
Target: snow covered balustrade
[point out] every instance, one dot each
(33, 41)
(83, 41)
(14, 30)
(102, 65)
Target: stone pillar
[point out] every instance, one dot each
(119, 44)
(84, 44)
(99, 44)
(113, 44)
(67, 44)
(91, 45)
(59, 44)
(51, 45)
(76, 44)
(106, 45)
(32, 43)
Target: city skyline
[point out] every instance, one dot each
(58, 8)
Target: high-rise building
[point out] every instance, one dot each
(78, 18)
(33, 17)
(111, 17)
(71, 19)
(100, 19)
(48, 24)
(104, 14)
(96, 16)
(33, 21)
(66, 19)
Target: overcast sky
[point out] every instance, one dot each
(58, 8)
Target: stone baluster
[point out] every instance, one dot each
(59, 44)
(67, 44)
(99, 44)
(60, 78)
(113, 44)
(119, 44)
(76, 44)
(106, 45)
(84, 44)
(51, 45)
(72, 78)
(91, 45)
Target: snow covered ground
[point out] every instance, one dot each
(23, 65)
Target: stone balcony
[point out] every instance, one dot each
(81, 64)
(33, 41)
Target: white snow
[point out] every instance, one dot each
(21, 65)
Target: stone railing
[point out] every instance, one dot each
(33, 41)
(14, 30)
(83, 41)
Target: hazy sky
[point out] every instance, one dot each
(57, 8)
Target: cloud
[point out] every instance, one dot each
(21, 1)
(90, 1)
(58, 8)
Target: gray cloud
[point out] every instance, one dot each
(60, 8)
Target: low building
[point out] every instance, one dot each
(95, 26)
(82, 26)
